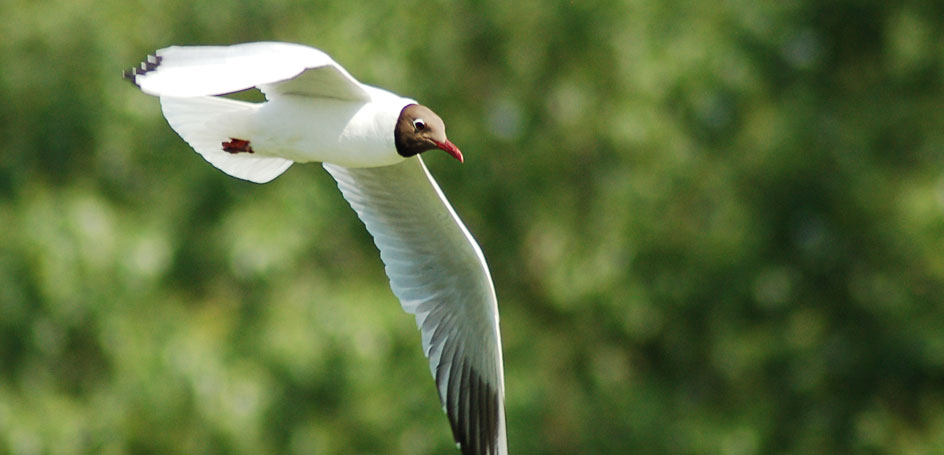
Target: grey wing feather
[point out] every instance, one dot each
(439, 274)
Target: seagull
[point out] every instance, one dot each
(370, 141)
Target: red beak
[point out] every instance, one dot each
(451, 149)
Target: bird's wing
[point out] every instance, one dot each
(276, 68)
(439, 274)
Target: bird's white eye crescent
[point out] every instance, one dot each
(419, 124)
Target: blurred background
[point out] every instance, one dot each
(714, 228)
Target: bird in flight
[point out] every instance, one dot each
(370, 141)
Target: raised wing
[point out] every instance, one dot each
(439, 274)
(276, 68)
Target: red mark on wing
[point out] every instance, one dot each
(234, 145)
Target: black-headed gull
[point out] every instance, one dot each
(369, 140)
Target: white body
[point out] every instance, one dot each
(347, 133)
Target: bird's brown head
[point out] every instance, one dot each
(419, 129)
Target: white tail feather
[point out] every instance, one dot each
(205, 122)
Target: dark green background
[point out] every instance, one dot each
(715, 227)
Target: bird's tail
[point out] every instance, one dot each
(206, 122)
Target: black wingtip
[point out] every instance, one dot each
(129, 75)
(475, 413)
(150, 64)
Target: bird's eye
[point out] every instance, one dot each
(419, 124)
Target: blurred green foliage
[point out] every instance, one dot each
(714, 228)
